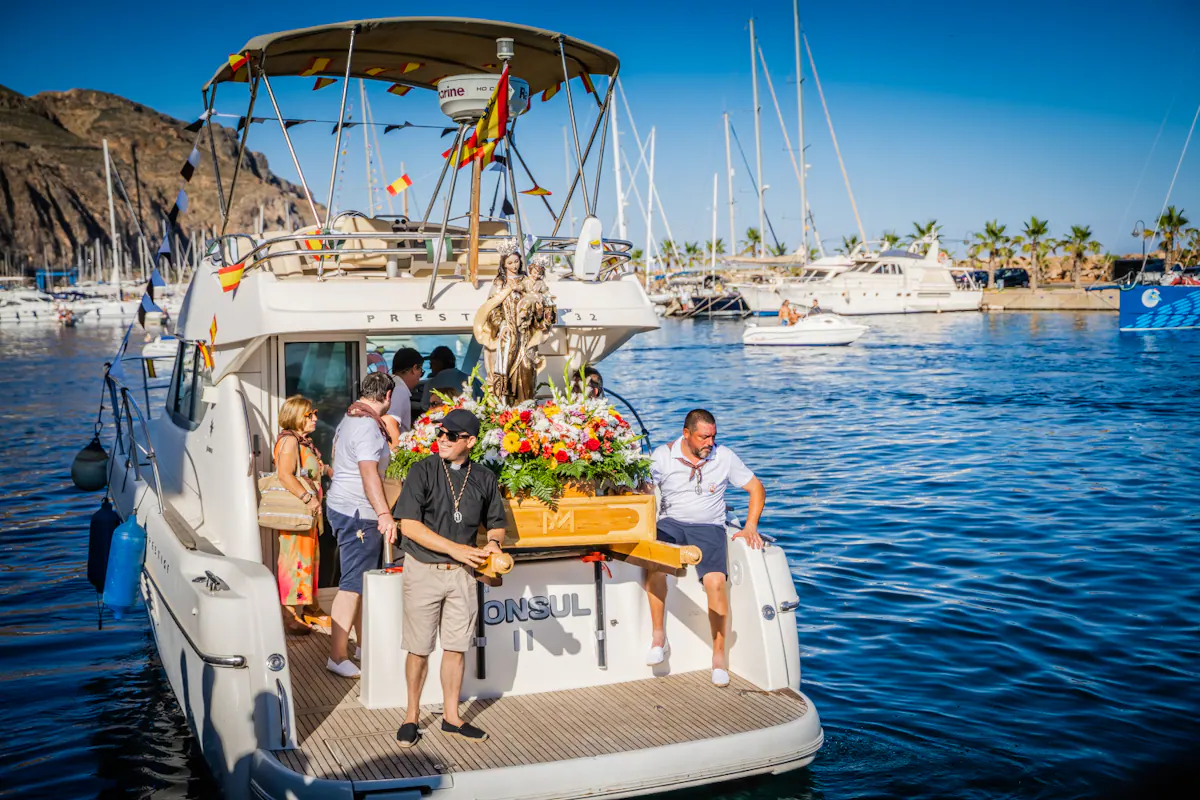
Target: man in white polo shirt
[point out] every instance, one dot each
(691, 474)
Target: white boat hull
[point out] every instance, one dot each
(821, 330)
(855, 301)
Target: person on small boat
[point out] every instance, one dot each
(785, 313)
(444, 502)
(814, 309)
(692, 474)
(358, 510)
(441, 366)
(407, 369)
(300, 470)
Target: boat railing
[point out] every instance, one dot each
(333, 248)
(128, 417)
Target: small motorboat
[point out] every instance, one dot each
(163, 346)
(815, 330)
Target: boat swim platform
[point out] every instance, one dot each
(339, 739)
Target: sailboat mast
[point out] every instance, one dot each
(362, 99)
(112, 219)
(729, 187)
(800, 135)
(712, 260)
(757, 139)
(567, 171)
(617, 172)
(650, 213)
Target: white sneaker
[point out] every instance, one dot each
(346, 669)
(657, 654)
(720, 677)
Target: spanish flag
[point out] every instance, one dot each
(537, 191)
(315, 65)
(494, 122)
(411, 66)
(486, 154)
(323, 82)
(212, 331)
(399, 185)
(231, 276)
(399, 89)
(553, 90)
(375, 71)
(465, 155)
(314, 244)
(590, 88)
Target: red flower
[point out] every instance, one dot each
(593, 444)
(561, 457)
(416, 449)
(525, 446)
(433, 448)
(526, 415)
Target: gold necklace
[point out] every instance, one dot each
(461, 489)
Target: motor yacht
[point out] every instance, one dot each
(557, 674)
(892, 282)
(762, 293)
(813, 330)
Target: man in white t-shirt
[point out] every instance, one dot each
(691, 474)
(358, 510)
(407, 368)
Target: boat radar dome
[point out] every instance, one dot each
(464, 98)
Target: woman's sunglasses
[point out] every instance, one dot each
(451, 436)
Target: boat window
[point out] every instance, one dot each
(188, 381)
(463, 345)
(327, 374)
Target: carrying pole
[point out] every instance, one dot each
(473, 240)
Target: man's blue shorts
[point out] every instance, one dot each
(714, 546)
(356, 555)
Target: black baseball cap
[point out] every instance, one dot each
(461, 421)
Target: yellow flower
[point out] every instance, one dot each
(512, 442)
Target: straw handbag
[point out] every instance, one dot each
(279, 509)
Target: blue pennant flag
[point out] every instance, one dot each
(147, 307)
(156, 278)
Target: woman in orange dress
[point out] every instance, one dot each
(299, 465)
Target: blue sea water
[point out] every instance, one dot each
(991, 520)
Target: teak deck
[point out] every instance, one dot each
(339, 739)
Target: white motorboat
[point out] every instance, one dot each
(814, 330)
(892, 282)
(557, 674)
(764, 293)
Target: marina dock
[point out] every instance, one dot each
(1065, 298)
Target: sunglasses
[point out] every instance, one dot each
(451, 436)
(312, 414)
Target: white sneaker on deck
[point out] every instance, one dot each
(346, 669)
(658, 654)
(720, 677)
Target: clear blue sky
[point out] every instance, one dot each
(960, 111)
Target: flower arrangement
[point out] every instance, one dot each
(539, 448)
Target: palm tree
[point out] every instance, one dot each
(1170, 223)
(1192, 254)
(1032, 241)
(635, 256)
(814, 253)
(780, 249)
(708, 247)
(848, 244)
(692, 251)
(921, 230)
(750, 243)
(890, 239)
(668, 252)
(1078, 245)
(993, 240)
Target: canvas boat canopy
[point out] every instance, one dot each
(429, 48)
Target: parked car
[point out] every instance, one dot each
(979, 276)
(1010, 277)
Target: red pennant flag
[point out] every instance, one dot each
(537, 191)
(230, 277)
(212, 331)
(323, 82)
(375, 71)
(315, 65)
(399, 89)
(411, 66)
(553, 90)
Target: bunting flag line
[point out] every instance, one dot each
(506, 209)
(446, 131)
(591, 88)
(291, 123)
(156, 278)
(189, 166)
(230, 277)
(375, 71)
(399, 89)
(315, 65)
(537, 191)
(165, 247)
(438, 80)
(236, 62)
(323, 82)
(212, 330)
(399, 185)
(499, 164)
(198, 124)
(494, 122)
(241, 123)
(147, 306)
(206, 354)
(412, 66)
(550, 92)
(487, 66)
(181, 206)
(401, 126)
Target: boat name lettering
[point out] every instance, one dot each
(534, 608)
(400, 319)
(451, 91)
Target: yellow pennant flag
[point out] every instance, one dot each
(537, 191)
(375, 71)
(323, 82)
(399, 89)
(212, 331)
(315, 65)
(411, 66)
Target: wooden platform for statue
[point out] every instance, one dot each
(580, 521)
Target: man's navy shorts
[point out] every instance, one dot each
(714, 547)
(356, 556)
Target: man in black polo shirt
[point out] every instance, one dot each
(442, 505)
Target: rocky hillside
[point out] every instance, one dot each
(53, 197)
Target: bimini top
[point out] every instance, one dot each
(419, 51)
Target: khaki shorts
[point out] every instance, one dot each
(437, 600)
